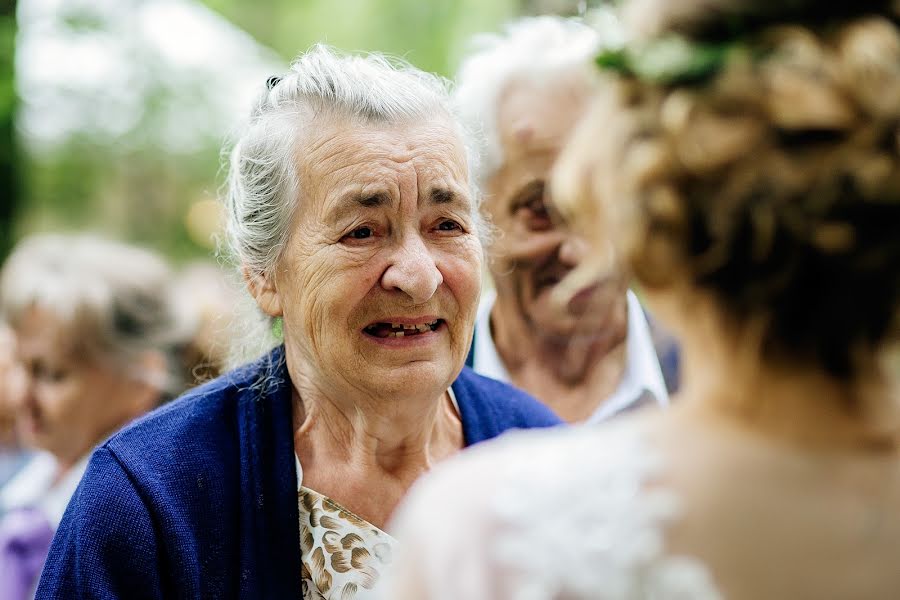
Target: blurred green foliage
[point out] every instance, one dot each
(427, 33)
(9, 166)
(130, 186)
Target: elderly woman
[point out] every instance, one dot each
(355, 226)
(753, 186)
(94, 328)
(12, 456)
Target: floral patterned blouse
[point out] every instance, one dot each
(342, 555)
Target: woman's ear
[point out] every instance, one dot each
(263, 289)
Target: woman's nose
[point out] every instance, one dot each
(413, 271)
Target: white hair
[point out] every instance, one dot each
(263, 181)
(263, 177)
(113, 299)
(531, 46)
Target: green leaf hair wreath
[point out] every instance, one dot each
(669, 60)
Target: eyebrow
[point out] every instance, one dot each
(442, 196)
(370, 200)
(347, 203)
(350, 202)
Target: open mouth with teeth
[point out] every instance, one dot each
(387, 330)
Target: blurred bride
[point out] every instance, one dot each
(751, 182)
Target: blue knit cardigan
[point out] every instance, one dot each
(199, 498)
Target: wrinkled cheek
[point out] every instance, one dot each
(306, 307)
(52, 409)
(523, 250)
(317, 334)
(464, 277)
(325, 313)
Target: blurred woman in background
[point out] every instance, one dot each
(746, 160)
(95, 328)
(12, 455)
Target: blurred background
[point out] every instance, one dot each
(113, 113)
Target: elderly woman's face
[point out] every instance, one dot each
(380, 279)
(70, 402)
(10, 385)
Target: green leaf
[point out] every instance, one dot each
(616, 59)
(668, 60)
(673, 59)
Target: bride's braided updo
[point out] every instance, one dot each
(773, 182)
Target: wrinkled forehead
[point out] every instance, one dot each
(339, 150)
(41, 333)
(334, 143)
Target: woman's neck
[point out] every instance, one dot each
(371, 436)
(366, 455)
(798, 404)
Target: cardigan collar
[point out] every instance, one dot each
(269, 531)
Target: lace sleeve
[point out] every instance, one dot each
(541, 515)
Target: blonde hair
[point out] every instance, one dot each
(775, 185)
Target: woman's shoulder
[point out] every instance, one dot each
(200, 426)
(567, 512)
(499, 406)
(541, 471)
(559, 460)
(194, 411)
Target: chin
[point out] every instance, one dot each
(565, 321)
(414, 378)
(572, 332)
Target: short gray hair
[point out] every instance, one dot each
(263, 182)
(113, 296)
(531, 46)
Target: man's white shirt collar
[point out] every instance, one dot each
(642, 371)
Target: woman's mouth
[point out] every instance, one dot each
(398, 330)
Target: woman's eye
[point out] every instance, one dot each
(361, 233)
(48, 374)
(55, 375)
(449, 226)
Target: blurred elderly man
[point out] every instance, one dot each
(595, 357)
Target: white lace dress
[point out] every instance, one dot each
(544, 515)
